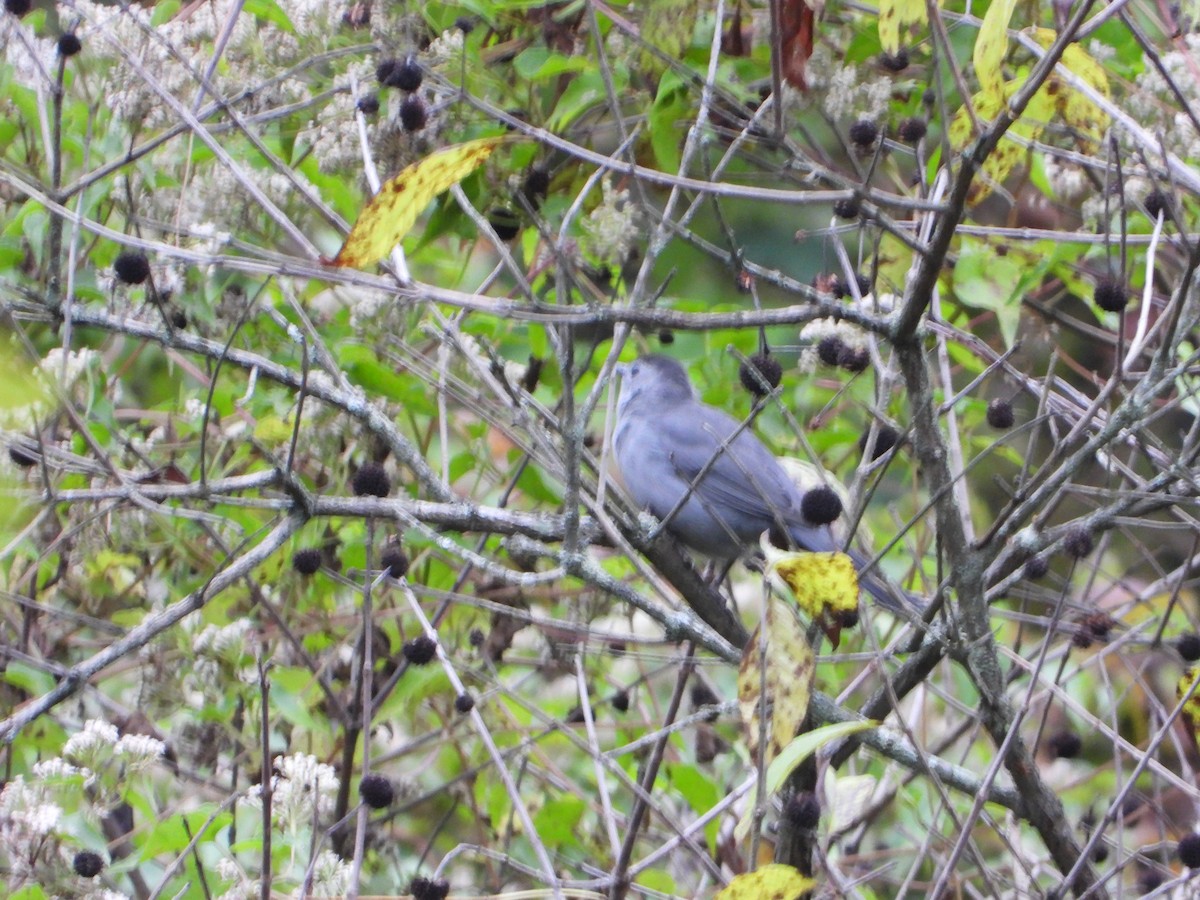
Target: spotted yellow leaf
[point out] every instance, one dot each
(1191, 705)
(895, 16)
(992, 44)
(386, 219)
(774, 881)
(825, 584)
(1075, 109)
(779, 662)
(1007, 154)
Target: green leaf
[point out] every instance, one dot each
(378, 379)
(805, 745)
(556, 821)
(581, 94)
(26, 677)
(270, 11)
(671, 106)
(701, 794)
(169, 836)
(985, 280)
(538, 62)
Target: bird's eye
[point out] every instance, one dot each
(634, 369)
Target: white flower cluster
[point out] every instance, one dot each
(848, 95)
(849, 334)
(105, 759)
(304, 791)
(45, 818)
(61, 369)
(221, 653)
(611, 230)
(1156, 107)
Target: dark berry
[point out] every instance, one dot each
(853, 359)
(1188, 646)
(863, 132)
(87, 864)
(620, 701)
(464, 703)
(829, 349)
(702, 696)
(420, 650)
(376, 791)
(1111, 295)
(1082, 640)
(1064, 745)
(803, 810)
(533, 373)
(476, 637)
(394, 561)
(179, 319)
(1078, 542)
(429, 888)
(1100, 853)
(1150, 881)
(1036, 567)
(18, 7)
(413, 115)
(465, 24)
(1158, 202)
(371, 480)
(885, 439)
(1189, 850)
(1100, 625)
(848, 618)
(386, 69)
(842, 289)
(132, 267)
(406, 74)
(535, 185)
(757, 369)
(21, 457)
(894, 62)
(847, 208)
(69, 44)
(307, 561)
(912, 130)
(576, 716)
(666, 337)
(821, 505)
(368, 104)
(504, 222)
(929, 97)
(1000, 414)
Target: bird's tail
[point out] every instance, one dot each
(885, 593)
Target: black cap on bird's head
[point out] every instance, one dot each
(653, 379)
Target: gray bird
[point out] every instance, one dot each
(665, 438)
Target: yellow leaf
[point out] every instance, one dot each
(1191, 706)
(386, 219)
(992, 44)
(784, 668)
(823, 583)
(772, 882)
(894, 17)
(1008, 153)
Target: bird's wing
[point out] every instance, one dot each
(744, 477)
